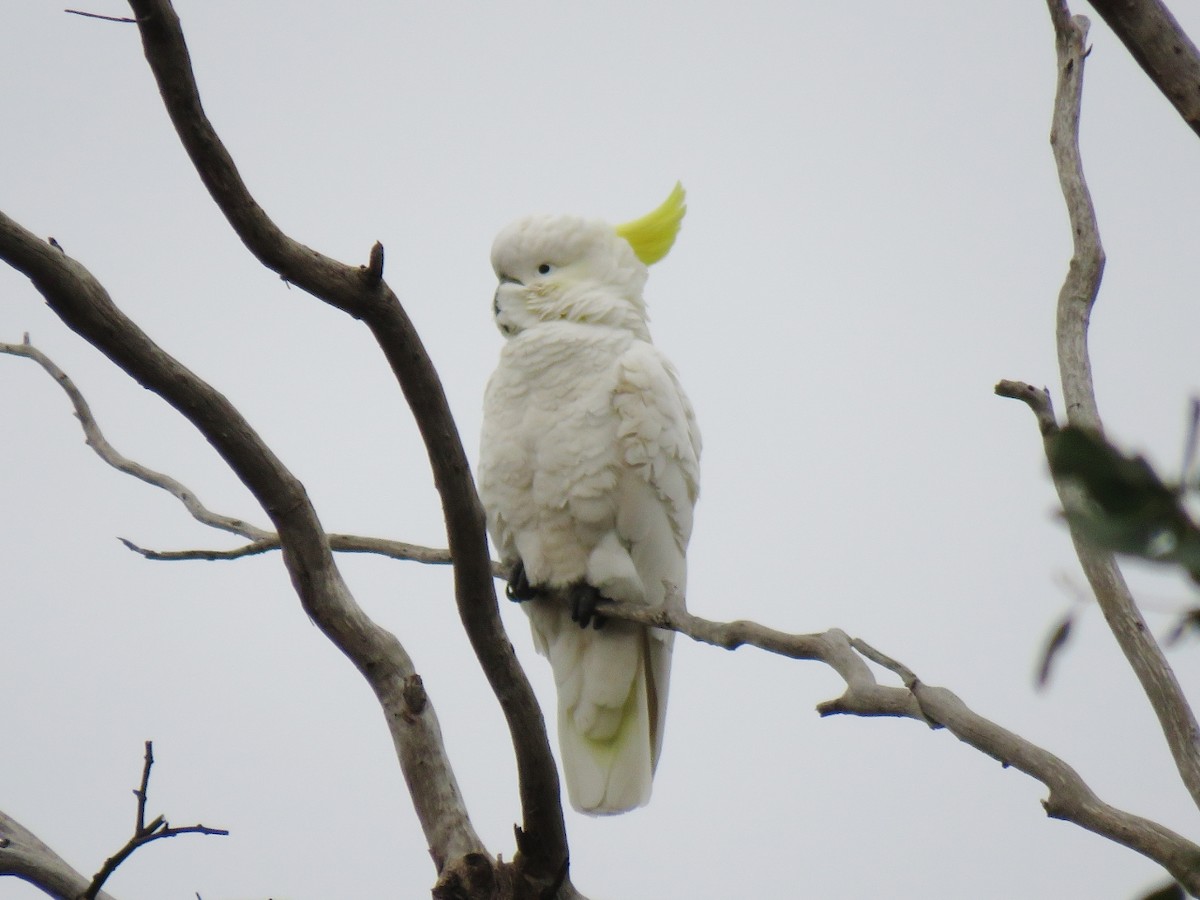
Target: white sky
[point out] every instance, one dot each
(875, 236)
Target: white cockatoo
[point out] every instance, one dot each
(589, 471)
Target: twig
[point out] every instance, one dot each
(262, 541)
(88, 15)
(96, 440)
(339, 543)
(1037, 399)
(143, 833)
(1190, 444)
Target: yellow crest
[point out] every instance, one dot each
(652, 236)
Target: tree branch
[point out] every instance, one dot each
(1070, 798)
(362, 293)
(83, 304)
(339, 543)
(143, 834)
(1161, 48)
(1075, 302)
(96, 440)
(24, 856)
(262, 540)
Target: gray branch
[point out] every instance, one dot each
(83, 304)
(23, 855)
(1075, 302)
(362, 293)
(1163, 50)
(261, 540)
(1070, 798)
(96, 440)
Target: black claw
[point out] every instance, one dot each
(519, 589)
(584, 599)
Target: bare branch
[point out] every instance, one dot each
(1070, 798)
(339, 543)
(1075, 301)
(1082, 284)
(96, 440)
(1163, 50)
(83, 304)
(24, 856)
(1037, 399)
(362, 293)
(88, 15)
(143, 834)
(262, 541)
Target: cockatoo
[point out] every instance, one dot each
(589, 473)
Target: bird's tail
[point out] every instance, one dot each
(609, 718)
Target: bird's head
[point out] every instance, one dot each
(564, 268)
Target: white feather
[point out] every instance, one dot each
(589, 472)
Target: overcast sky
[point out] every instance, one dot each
(875, 236)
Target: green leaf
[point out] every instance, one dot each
(1125, 507)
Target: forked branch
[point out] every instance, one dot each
(143, 832)
(1070, 797)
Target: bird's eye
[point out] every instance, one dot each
(544, 269)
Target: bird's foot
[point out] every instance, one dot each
(583, 600)
(519, 589)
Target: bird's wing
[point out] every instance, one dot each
(659, 446)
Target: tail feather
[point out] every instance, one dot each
(611, 773)
(611, 696)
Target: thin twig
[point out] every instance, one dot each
(143, 791)
(143, 833)
(262, 541)
(96, 440)
(88, 15)
(1189, 445)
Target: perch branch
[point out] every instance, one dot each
(361, 292)
(1075, 302)
(1070, 798)
(143, 833)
